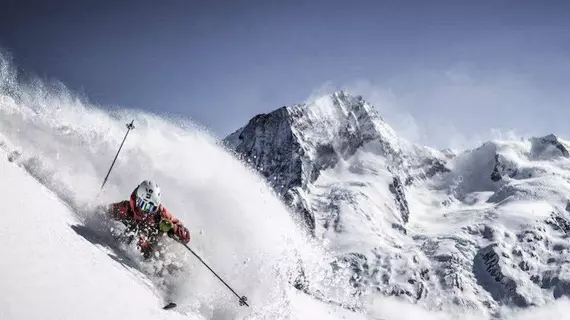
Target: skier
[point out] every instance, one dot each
(145, 216)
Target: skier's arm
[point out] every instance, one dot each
(176, 228)
(180, 232)
(118, 210)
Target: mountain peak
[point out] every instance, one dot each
(324, 120)
(478, 229)
(549, 146)
(292, 145)
(339, 112)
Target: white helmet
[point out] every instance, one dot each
(148, 197)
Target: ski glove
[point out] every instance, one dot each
(165, 225)
(181, 232)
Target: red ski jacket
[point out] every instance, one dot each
(146, 225)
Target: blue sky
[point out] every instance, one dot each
(441, 72)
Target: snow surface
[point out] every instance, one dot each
(51, 272)
(60, 259)
(482, 231)
(434, 231)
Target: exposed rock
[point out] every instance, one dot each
(436, 166)
(558, 222)
(291, 146)
(353, 183)
(558, 281)
(397, 189)
(503, 168)
(488, 271)
(400, 228)
(547, 147)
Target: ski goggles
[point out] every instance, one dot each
(145, 206)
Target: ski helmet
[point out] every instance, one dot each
(148, 197)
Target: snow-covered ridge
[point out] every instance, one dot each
(477, 229)
(291, 146)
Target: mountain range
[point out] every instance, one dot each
(475, 230)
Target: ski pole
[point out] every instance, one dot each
(242, 299)
(130, 126)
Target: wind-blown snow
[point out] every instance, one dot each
(476, 232)
(50, 272)
(238, 226)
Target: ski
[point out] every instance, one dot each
(169, 306)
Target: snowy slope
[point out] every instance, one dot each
(469, 233)
(51, 272)
(63, 261)
(475, 231)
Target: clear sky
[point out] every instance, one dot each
(441, 72)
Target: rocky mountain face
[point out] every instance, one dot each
(292, 146)
(476, 230)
